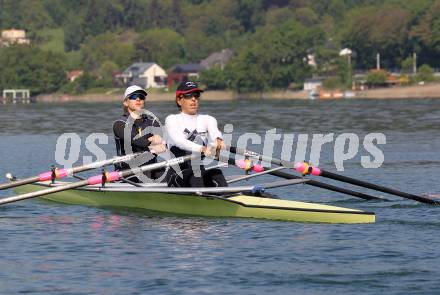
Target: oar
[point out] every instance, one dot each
(60, 173)
(275, 172)
(268, 171)
(304, 168)
(98, 179)
(328, 186)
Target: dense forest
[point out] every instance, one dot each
(271, 40)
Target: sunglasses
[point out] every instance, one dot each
(135, 96)
(196, 95)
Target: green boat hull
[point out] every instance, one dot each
(192, 204)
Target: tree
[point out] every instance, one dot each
(134, 15)
(249, 13)
(81, 84)
(376, 77)
(407, 65)
(34, 16)
(425, 74)
(24, 66)
(106, 73)
(104, 47)
(371, 30)
(276, 57)
(214, 79)
(102, 16)
(427, 34)
(73, 33)
(163, 46)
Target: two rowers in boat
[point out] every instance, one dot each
(188, 132)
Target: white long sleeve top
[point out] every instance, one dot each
(191, 132)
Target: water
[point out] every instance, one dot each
(49, 248)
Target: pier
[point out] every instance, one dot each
(15, 96)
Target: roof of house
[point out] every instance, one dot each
(219, 57)
(186, 68)
(74, 73)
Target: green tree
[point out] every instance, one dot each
(10, 16)
(407, 65)
(34, 16)
(134, 14)
(23, 66)
(425, 73)
(371, 30)
(276, 57)
(163, 46)
(427, 34)
(106, 72)
(376, 77)
(81, 84)
(212, 28)
(249, 14)
(102, 16)
(104, 47)
(214, 79)
(73, 33)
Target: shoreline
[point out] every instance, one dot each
(403, 92)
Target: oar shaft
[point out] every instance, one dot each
(267, 171)
(60, 173)
(97, 179)
(329, 187)
(323, 173)
(377, 187)
(43, 192)
(231, 160)
(263, 158)
(18, 182)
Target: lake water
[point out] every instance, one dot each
(49, 248)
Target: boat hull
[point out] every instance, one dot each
(238, 205)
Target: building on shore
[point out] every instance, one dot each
(217, 59)
(13, 36)
(146, 75)
(73, 75)
(183, 72)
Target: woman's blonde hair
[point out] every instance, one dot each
(124, 107)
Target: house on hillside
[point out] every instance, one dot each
(183, 72)
(13, 36)
(73, 75)
(146, 75)
(219, 59)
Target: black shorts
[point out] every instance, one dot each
(208, 178)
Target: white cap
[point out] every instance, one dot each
(134, 88)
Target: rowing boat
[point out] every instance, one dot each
(214, 202)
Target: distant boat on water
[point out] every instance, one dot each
(327, 94)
